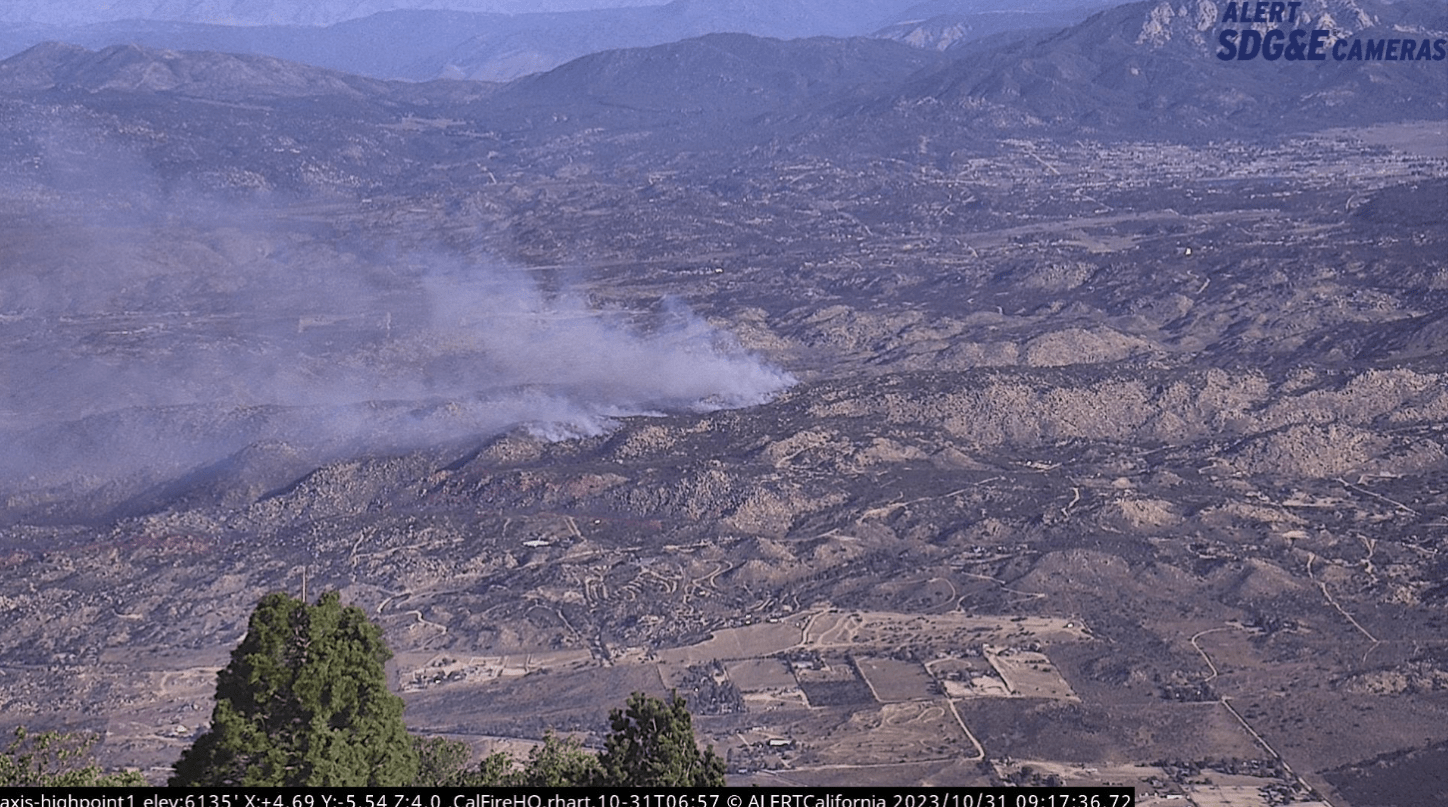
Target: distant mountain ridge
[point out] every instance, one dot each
(710, 81)
(422, 44)
(1153, 66)
(270, 12)
(1144, 67)
(943, 32)
(132, 68)
(733, 77)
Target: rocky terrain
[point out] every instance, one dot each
(911, 445)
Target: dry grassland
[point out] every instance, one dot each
(773, 699)
(750, 641)
(891, 734)
(1079, 775)
(885, 630)
(1227, 796)
(893, 680)
(1029, 674)
(421, 670)
(752, 675)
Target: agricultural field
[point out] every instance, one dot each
(1029, 674)
(893, 681)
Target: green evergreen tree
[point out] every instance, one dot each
(558, 762)
(57, 759)
(652, 745)
(440, 762)
(304, 702)
(495, 770)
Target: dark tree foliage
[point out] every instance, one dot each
(558, 762)
(652, 745)
(304, 702)
(440, 762)
(57, 759)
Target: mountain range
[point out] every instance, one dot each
(1154, 67)
(269, 12)
(418, 44)
(1143, 66)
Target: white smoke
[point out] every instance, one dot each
(141, 343)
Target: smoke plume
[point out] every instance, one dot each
(142, 339)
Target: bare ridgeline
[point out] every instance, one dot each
(1066, 409)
